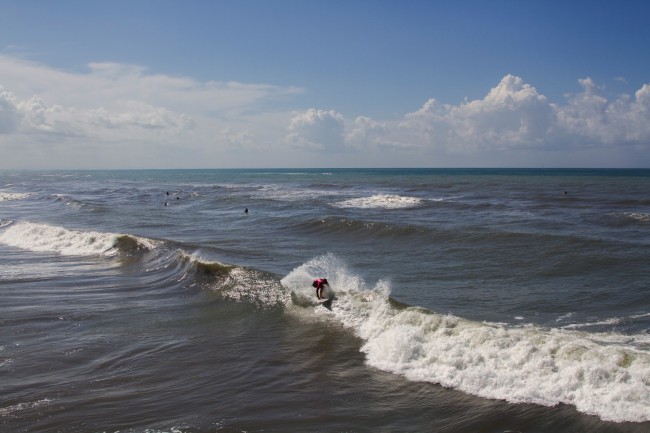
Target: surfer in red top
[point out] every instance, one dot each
(319, 284)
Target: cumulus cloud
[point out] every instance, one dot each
(513, 115)
(9, 117)
(328, 131)
(317, 130)
(139, 120)
(366, 132)
(118, 112)
(590, 118)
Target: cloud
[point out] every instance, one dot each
(590, 118)
(366, 132)
(48, 112)
(135, 119)
(240, 140)
(9, 116)
(317, 130)
(512, 114)
(114, 114)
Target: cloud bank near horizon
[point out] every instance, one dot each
(118, 116)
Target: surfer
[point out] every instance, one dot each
(319, 284)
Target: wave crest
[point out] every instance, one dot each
(46, 238)
(380, 201)
(600, 374)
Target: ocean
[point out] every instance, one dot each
(467, 300)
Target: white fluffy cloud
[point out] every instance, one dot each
(317, 130)
(112, 113)
(9, 117)
(513, 115)
(591, 118)
(135, 118)
(366, 132)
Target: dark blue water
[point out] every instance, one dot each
(467, 300)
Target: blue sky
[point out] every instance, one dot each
(286, 83)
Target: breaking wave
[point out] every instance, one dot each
(46, 238)
(381, 201)
(602, 374)
(236, 283)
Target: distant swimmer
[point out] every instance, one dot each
(246, 210)
(320, 284)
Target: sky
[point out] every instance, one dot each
(305, 83)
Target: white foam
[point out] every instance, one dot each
(18, 407)
(638, 216)
(523, 364)
(381, 201)
(7, 196)
(46, 238)
(600, 374)
(565, 317)
(610, 321)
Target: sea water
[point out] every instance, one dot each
(466, 300)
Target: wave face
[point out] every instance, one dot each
(524, 364)
(600, 374)
(232, 282)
